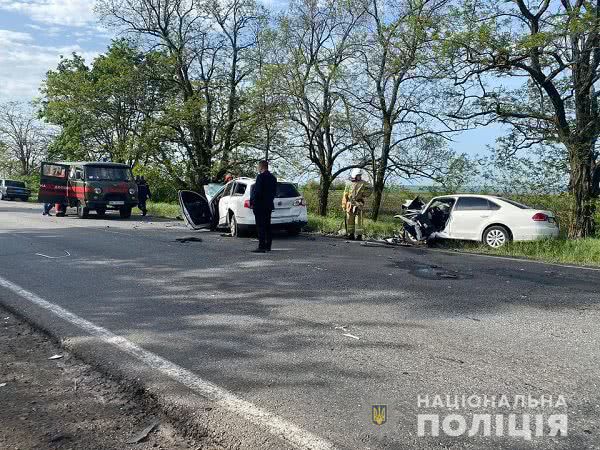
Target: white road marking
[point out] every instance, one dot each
(66, 255)
(275, 425)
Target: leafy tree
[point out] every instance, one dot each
(320, 42)
(398, 93)
(104, 110)
(555, 47)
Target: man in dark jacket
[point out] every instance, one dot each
(143, 195)
(261, 200)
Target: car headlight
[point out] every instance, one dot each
(132, 191)
(97, 191)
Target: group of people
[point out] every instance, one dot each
(263, 196)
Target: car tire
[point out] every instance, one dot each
(25, 199)
(233, 226)
(125, 213)
(2, 196)
(82, 211)
(294, 230)
(101, 212)
(496, 236)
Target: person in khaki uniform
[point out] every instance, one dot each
(353, 203)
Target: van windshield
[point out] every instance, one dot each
(97, 173)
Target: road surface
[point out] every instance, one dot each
(306, 339)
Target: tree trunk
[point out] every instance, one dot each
(583, 209)
(378, 186)
(324, 186)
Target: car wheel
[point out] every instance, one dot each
(496, 236)
(25, 199)
(125, 213)
(82, 211)
(294, 230)
(101, 212)
(2, 196)
(233, 226)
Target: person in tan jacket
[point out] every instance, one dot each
(353, 203)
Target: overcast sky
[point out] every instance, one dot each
(35, 33)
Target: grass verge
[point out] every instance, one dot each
(160, 209)
(580, 252)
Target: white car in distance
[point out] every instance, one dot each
(489, 219)
(229, 208)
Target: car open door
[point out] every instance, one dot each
(195, 210)
(53, 183)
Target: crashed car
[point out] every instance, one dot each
(229, 208)
(485, 218)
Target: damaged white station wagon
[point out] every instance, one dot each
(485, 218)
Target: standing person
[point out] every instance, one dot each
(261, 200)
(143, 195)
(353, 203)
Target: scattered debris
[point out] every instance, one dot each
(341, 327)
(66, 255)
(55, 357)
(143, 434)
(2, 384)
(189, 239)
(351, 336)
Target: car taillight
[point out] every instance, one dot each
(540, 217)
(300, 202)
(247, 204)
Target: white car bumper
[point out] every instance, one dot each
(537, 231)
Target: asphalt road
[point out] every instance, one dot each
(319, 330)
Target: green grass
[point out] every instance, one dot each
(385, 227)
(581, 252)
(161, 209)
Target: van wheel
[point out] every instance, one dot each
(125, 213)
(496, 236)
(82, 211)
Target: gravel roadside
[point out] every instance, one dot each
(63, 403)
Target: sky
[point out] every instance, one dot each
(35, 33)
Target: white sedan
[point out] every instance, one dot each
(484, 218)
(229, 207)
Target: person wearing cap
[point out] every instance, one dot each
(353, 203)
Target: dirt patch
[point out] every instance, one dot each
(430, 271)
(61, 403)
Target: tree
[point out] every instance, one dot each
(206, 43)
(320, 43)
(23, 137)
(104, 110)
(397, 94)
(555, 47)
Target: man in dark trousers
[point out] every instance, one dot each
(143, 195)
(261, 200)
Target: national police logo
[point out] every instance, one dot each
(379, 414)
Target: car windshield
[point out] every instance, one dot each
(286, 190)
(512, 202)
(11, 183)
(108, 173)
